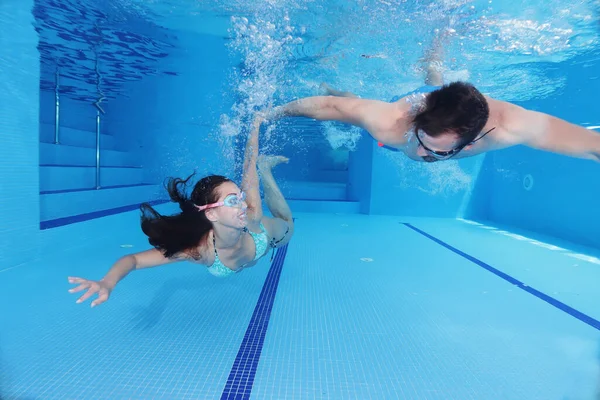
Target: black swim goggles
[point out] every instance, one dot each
(445, 155)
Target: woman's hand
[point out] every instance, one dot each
(102, 288)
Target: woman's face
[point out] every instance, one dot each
(232, 213)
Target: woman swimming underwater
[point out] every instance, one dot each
(220, 225)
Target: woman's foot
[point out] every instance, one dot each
(266, 163)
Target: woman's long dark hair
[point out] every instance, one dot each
(183, 232)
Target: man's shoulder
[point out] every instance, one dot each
(507, 120)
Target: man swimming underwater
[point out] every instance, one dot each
(438, 122)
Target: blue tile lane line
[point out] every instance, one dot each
(594, 323)
(53, 223)
(241, 378)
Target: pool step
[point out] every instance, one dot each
(332, 175)
(61, 154)
(306, 190)
(69, 177)
(77, 137)
(327, 207)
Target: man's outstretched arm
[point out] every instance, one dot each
(377, 117)
(546, 132)
(350, 110)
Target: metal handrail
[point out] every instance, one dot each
(98, 110)
(57, 110)
(97, 149)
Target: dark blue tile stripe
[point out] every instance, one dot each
(241, 378)
(594, 323)
(53, 223)
(93, 189)
(87, 166)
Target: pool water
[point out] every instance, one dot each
(470, 279)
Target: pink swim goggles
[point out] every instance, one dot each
(233, 200)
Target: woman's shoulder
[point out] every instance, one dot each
(257, 226)
(203, 254)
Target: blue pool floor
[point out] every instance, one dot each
(362, 307)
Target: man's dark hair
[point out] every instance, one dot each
(457, 107)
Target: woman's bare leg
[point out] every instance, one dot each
(273, 196)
